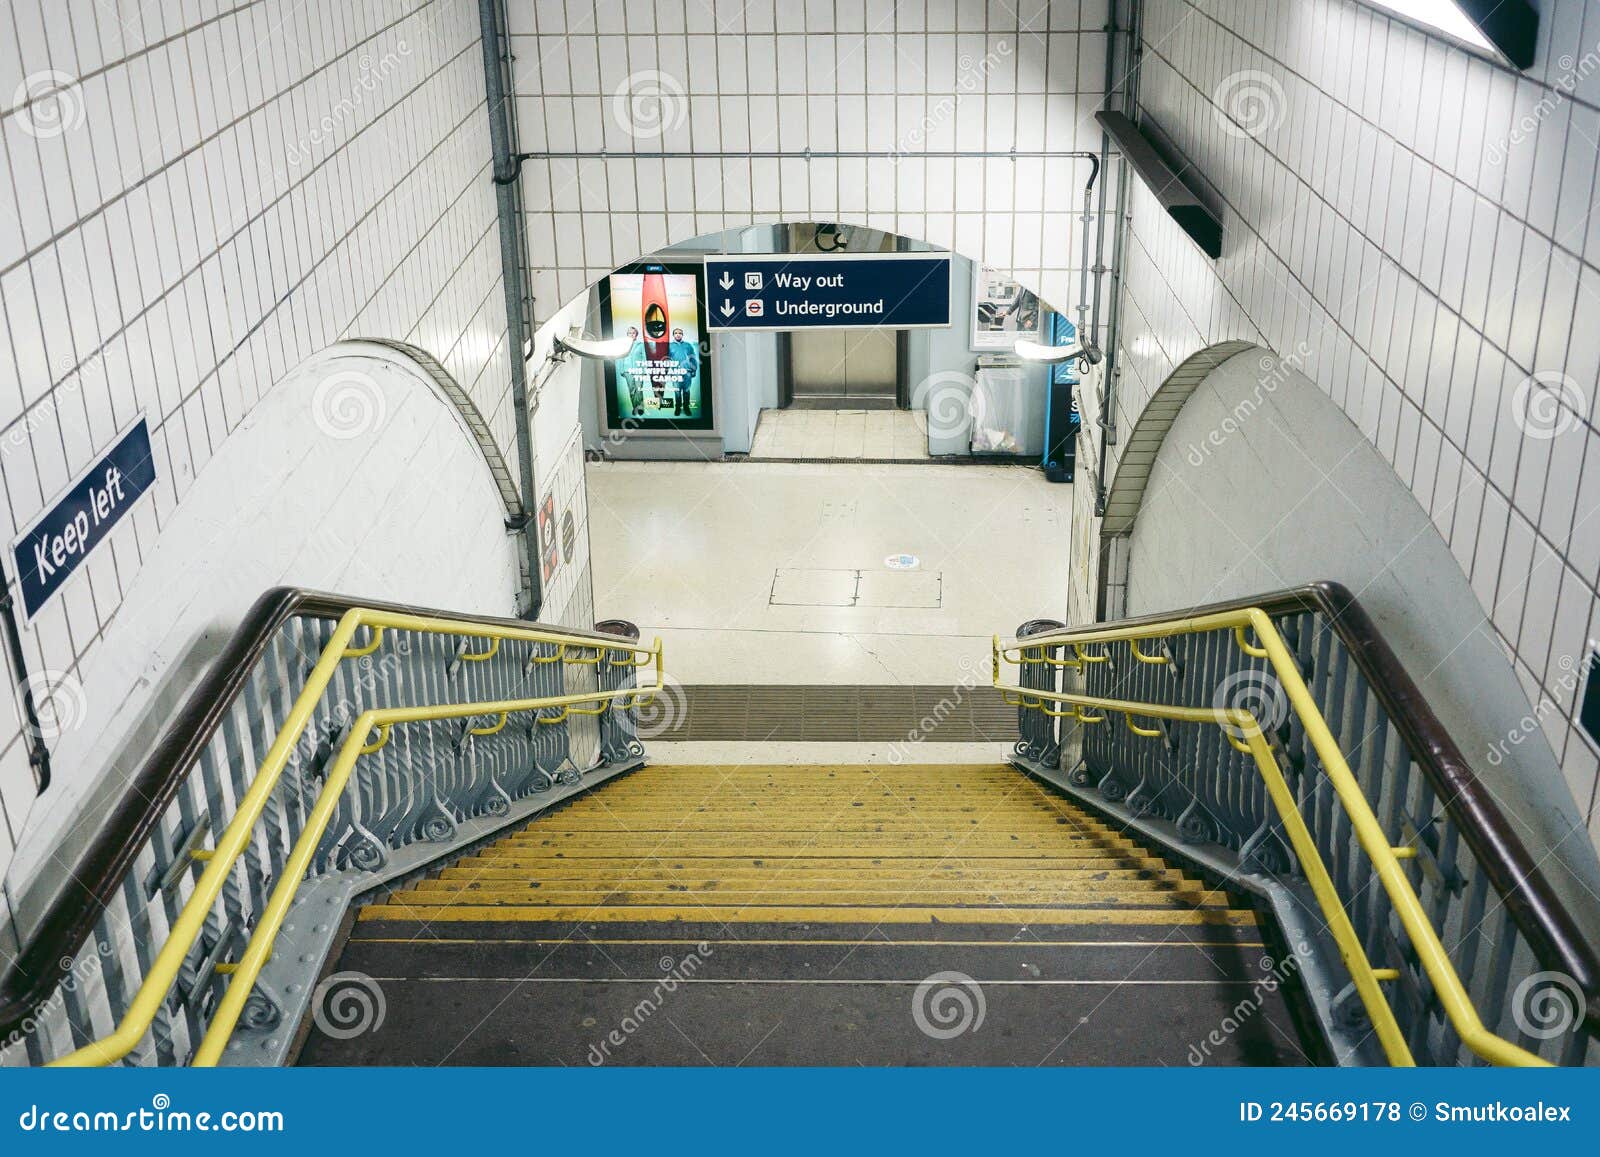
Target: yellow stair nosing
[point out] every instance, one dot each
(891, 839)
(787, 856)
(484, 872)
(951, 897)
(842, 844)
(680, 913)
(533, 890)
(778, 898)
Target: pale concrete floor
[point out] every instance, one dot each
(841, 434)
(696, 552)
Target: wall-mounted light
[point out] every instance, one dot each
(595, 348)
(1505, 29)
(1167, 174)
(1054, 355)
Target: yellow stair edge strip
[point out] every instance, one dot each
(1165, 917)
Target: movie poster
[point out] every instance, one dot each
(664, 380)
(1002, 312)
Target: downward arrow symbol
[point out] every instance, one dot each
(727, 281)
(727, 308)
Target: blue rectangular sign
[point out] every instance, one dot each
(58, 543)
(1305, 1112)
(788, 291)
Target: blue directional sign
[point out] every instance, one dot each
(60, 540)
(787, 291)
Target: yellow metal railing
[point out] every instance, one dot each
(1243, 731)
(219, 860)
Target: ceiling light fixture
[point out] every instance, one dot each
(597, 349)
(1505, 29)
(1054, 355)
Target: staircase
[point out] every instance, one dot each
(387, 834)
(827, 915)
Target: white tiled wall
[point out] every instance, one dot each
(386, 495)
(707, 76)
(1421, 220)
(569, 590)
(194, 197)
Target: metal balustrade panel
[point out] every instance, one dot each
(427, 781)
(1213, 796)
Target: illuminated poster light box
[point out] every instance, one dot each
(663, 380)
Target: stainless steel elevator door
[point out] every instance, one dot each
(844, 369)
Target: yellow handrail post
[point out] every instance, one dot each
(1153, 660)
(1322, 887)
(1246, 646)
(186, 928)
(499, 726)
(220, 859)
(256, 952)
(1370, 835)
(1243, 731)
(259, 948)
(480, 656)
(1147, 732)
(373, 645)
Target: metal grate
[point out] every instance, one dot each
(843, 713)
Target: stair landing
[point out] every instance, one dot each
(813, 915)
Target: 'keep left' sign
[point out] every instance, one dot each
(60, 540)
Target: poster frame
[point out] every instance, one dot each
(706, 419)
